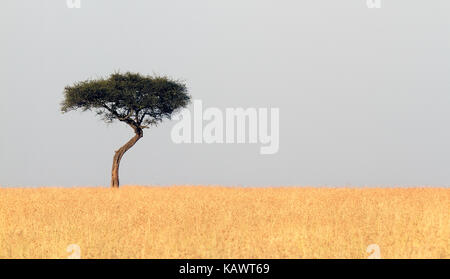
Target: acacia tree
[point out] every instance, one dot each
(137, 100)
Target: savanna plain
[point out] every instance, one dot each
(224, 222)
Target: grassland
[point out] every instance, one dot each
(221, 222)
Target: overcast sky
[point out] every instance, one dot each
(363, 94)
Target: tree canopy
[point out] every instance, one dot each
(140, 101)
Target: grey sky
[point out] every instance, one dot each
(364, 94)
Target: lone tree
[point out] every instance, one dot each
(139, 101)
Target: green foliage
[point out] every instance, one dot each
(140, 101)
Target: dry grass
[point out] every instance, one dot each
(219, 222)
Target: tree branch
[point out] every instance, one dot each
(125, 119)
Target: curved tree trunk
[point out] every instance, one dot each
(118, 156)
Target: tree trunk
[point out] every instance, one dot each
(118, 156)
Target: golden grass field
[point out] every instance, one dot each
(224, 222)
